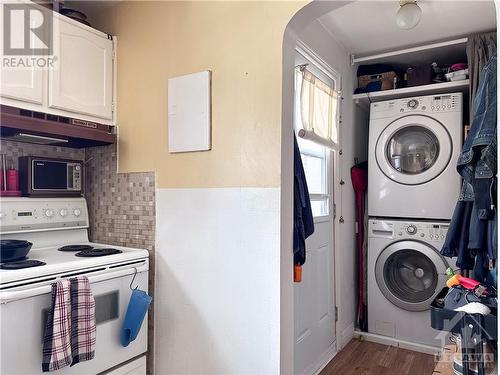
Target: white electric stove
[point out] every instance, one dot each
(51, 224)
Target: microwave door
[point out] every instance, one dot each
(23, 314)
(49, 176)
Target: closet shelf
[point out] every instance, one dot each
(365, 99)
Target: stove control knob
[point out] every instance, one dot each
(63, 212)
(49, 213)
(2, 215)
(77, 212)
(412, 229)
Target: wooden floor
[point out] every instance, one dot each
(368, 358)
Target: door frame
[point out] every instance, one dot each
(332, 165)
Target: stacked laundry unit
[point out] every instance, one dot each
(412, 190)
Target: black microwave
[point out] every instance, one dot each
(48, 177)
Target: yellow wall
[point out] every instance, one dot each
(241, 43)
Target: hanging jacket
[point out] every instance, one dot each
(303, 223)
(470, 227)
(478, 159)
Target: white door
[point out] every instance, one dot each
(21, 83)
(82, 81)
(314, 299)
(413, 150)
(314, 303)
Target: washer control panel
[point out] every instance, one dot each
(443, 103)
(399, 229)
(28, 214)
(420, 104)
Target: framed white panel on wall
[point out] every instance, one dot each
(189, 112)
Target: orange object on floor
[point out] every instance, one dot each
(297, 273)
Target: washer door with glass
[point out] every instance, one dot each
(410, 274)
(413, 150)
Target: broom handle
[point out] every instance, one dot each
(359, 204)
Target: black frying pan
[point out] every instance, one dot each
(11, 250)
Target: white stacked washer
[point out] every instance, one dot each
(413, 187)
(405, 273)
(414, 144)
(25, 292)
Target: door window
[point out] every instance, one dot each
(413, 150)
(315, 162)
(321, 116)
(410, 276)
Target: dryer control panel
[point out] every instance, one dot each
(400, 229)
(421, 104)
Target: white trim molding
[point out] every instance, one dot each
(317, 60)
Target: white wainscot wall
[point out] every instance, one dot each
(218, 281)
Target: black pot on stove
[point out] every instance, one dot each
(12, 250)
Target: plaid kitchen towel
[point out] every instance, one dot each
(57, 338)
(83, 330)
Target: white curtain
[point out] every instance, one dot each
(319, 105)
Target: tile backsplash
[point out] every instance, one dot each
(121, 205)
(13, 150)
(122, 211)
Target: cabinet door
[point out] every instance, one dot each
(20, 83)
(82, 80)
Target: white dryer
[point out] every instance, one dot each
(405, 273)
(414, 144)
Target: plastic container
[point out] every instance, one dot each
(421, 75)
(452, 321)
(12, 180)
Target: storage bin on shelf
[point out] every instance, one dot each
(376, 77)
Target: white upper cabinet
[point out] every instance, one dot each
(22, 84)
(82, 79)
(19, 83)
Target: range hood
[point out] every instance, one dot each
(37, 127)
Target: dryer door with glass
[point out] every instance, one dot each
(413, 150)
(410, 274)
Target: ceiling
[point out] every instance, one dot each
(364, 27)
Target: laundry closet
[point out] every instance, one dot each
(402, 85)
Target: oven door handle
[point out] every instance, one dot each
(10, 296)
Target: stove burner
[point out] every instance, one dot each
(75, 248)
(19, 264)
(98, 252)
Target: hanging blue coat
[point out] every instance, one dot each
(303, 223)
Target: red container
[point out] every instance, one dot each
(12, 180)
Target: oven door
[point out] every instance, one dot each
(23, 313)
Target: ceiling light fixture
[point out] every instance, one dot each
(408, 15)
